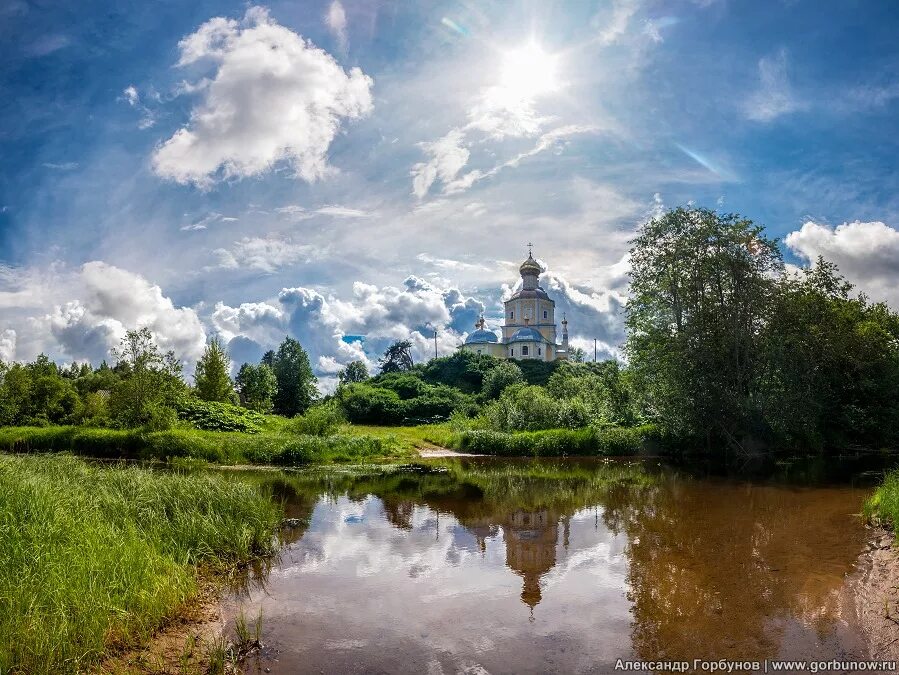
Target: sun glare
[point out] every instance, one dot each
(528, 72)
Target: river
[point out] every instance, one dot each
(501, 566)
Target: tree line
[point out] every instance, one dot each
(726, 348)
(145, 386)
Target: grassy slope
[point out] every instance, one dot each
(97, 556)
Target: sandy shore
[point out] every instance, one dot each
(435, 452)
(875, 589)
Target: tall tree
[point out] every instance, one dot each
(831, 364)
(296, 381)
(397, 357)
(212, 377)
(701, 288)
(355, 371)
(257, 386)
(150, 382)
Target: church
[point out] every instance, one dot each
(529, 327)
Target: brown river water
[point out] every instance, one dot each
(501, 566)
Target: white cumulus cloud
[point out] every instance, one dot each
(274, 97)
(866, 253)
(109, 302)
(7, 345)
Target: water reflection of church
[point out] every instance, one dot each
(531, 539)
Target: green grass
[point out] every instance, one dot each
(407, 439)
(882, 508)
(556, 442)
(275, 444)
(95, 557)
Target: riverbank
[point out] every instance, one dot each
(276, 446)
(875, 585)
(97, 559)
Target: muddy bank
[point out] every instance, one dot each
(875, 587)
(186, 640)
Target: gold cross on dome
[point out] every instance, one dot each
(530, 245)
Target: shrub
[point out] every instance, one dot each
(365, 404)
(437, 403)
(215, 416)
(320, 420)
(557, 442)
(573, 413)
(405, 384)
(503, 375)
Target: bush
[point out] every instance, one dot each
(503, 375)
(405, 384)
(365, 404)
(214, 416)
(573, 413)
(523, 408)
(320, 420)
(437, 403)
(557, 442)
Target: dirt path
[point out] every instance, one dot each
(429, 451)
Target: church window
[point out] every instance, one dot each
(511, 315)
(545, 315)
(512, 351)
(538, 351)
(524, 351)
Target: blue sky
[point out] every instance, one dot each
(341, 168)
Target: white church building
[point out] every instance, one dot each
(529, 327)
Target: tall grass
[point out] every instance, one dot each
(268, 447)
(883, 506)
(93, 557)
(557, 442)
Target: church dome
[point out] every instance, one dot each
(526, 334)
(481, 336)
(530, 266)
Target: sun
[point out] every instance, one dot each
(529, 72)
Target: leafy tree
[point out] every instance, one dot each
(603, 388)
(701, 288)
(257, 386)
(463, 370)
(296, 382)
(830, 370)
(577, 355)
(503, 375)
(397, 358)
(151, 381)
(355, 371)
(212, 378)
